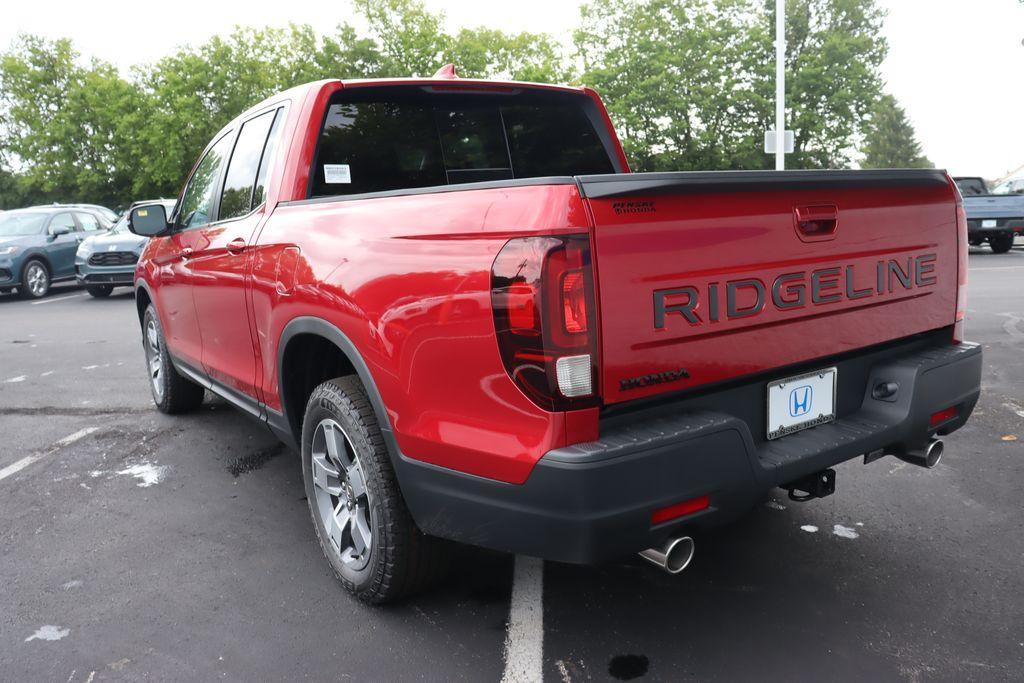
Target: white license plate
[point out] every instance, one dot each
(989, 224)
(800, 402)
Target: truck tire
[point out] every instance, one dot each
(35, 280)
(361, 520)
(172, 393)
(1001, 243)
(100, 291)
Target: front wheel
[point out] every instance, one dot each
(361, 520)
(35, 280)
(172, 393)
(100, 291)
(1001, 243)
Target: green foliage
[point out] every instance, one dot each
(890, 140)
(689, 83)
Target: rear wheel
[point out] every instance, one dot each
(99, 291)
(1001, 243)
(361, 520)
(35, 280)
(172, 393)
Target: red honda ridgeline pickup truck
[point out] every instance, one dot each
(474, 323)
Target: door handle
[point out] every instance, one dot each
(186, 252)
(237, 245)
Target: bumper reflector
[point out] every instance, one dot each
(680, 510)
(943, 415)
(574, 375)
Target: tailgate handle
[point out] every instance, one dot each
(816, 222)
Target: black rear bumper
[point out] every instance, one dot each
(593, 501)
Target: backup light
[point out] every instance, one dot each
(574, 376)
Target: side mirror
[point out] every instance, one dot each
(59, 230)
(148, 220)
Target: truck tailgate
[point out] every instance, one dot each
(706, 277)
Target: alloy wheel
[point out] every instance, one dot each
(153, 360)
(36, 279)
(342, 501)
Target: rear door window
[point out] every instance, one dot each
(240, 180)
(197, 202)
(259, 193)
(389, 139)
(88, 221)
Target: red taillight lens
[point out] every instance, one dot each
(961, 267)
(542, 295)
(574, 305)
(522, 309)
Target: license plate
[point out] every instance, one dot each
(989, 224)
(801, 402)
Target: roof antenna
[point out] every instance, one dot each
(447, 72)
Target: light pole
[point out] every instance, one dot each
(780, 85)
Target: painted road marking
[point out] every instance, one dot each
(59, 298)
(25, 462)
(524, 642)
(975, 270)
(13, 380)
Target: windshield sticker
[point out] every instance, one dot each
(337, 174)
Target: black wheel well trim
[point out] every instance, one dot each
(41, 257)
(141, 284)
(322, 328)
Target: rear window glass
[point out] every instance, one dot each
(377, 141)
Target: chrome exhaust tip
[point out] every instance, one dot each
(674, 556)
(928, 456)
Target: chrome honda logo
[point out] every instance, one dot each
(800, 400)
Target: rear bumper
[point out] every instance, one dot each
(975, 227)
(592, 502)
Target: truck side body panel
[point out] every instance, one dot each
(414, 297)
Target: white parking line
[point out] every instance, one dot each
(25, 462)
(59, 298)
(524, 642)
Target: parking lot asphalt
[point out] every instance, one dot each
(136, 545)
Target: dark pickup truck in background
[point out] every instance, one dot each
(995, 216)
(455, 300)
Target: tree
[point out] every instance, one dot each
(678, 77)
(74, 132)
(64, 123)
(890, 141)
(414, 42)
(691, 83)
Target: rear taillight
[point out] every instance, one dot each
(542, 294)
(961, 268)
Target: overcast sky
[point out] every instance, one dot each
(957, 66)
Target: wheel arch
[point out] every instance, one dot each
(38, 255)
(143, 298)
(294, 389)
